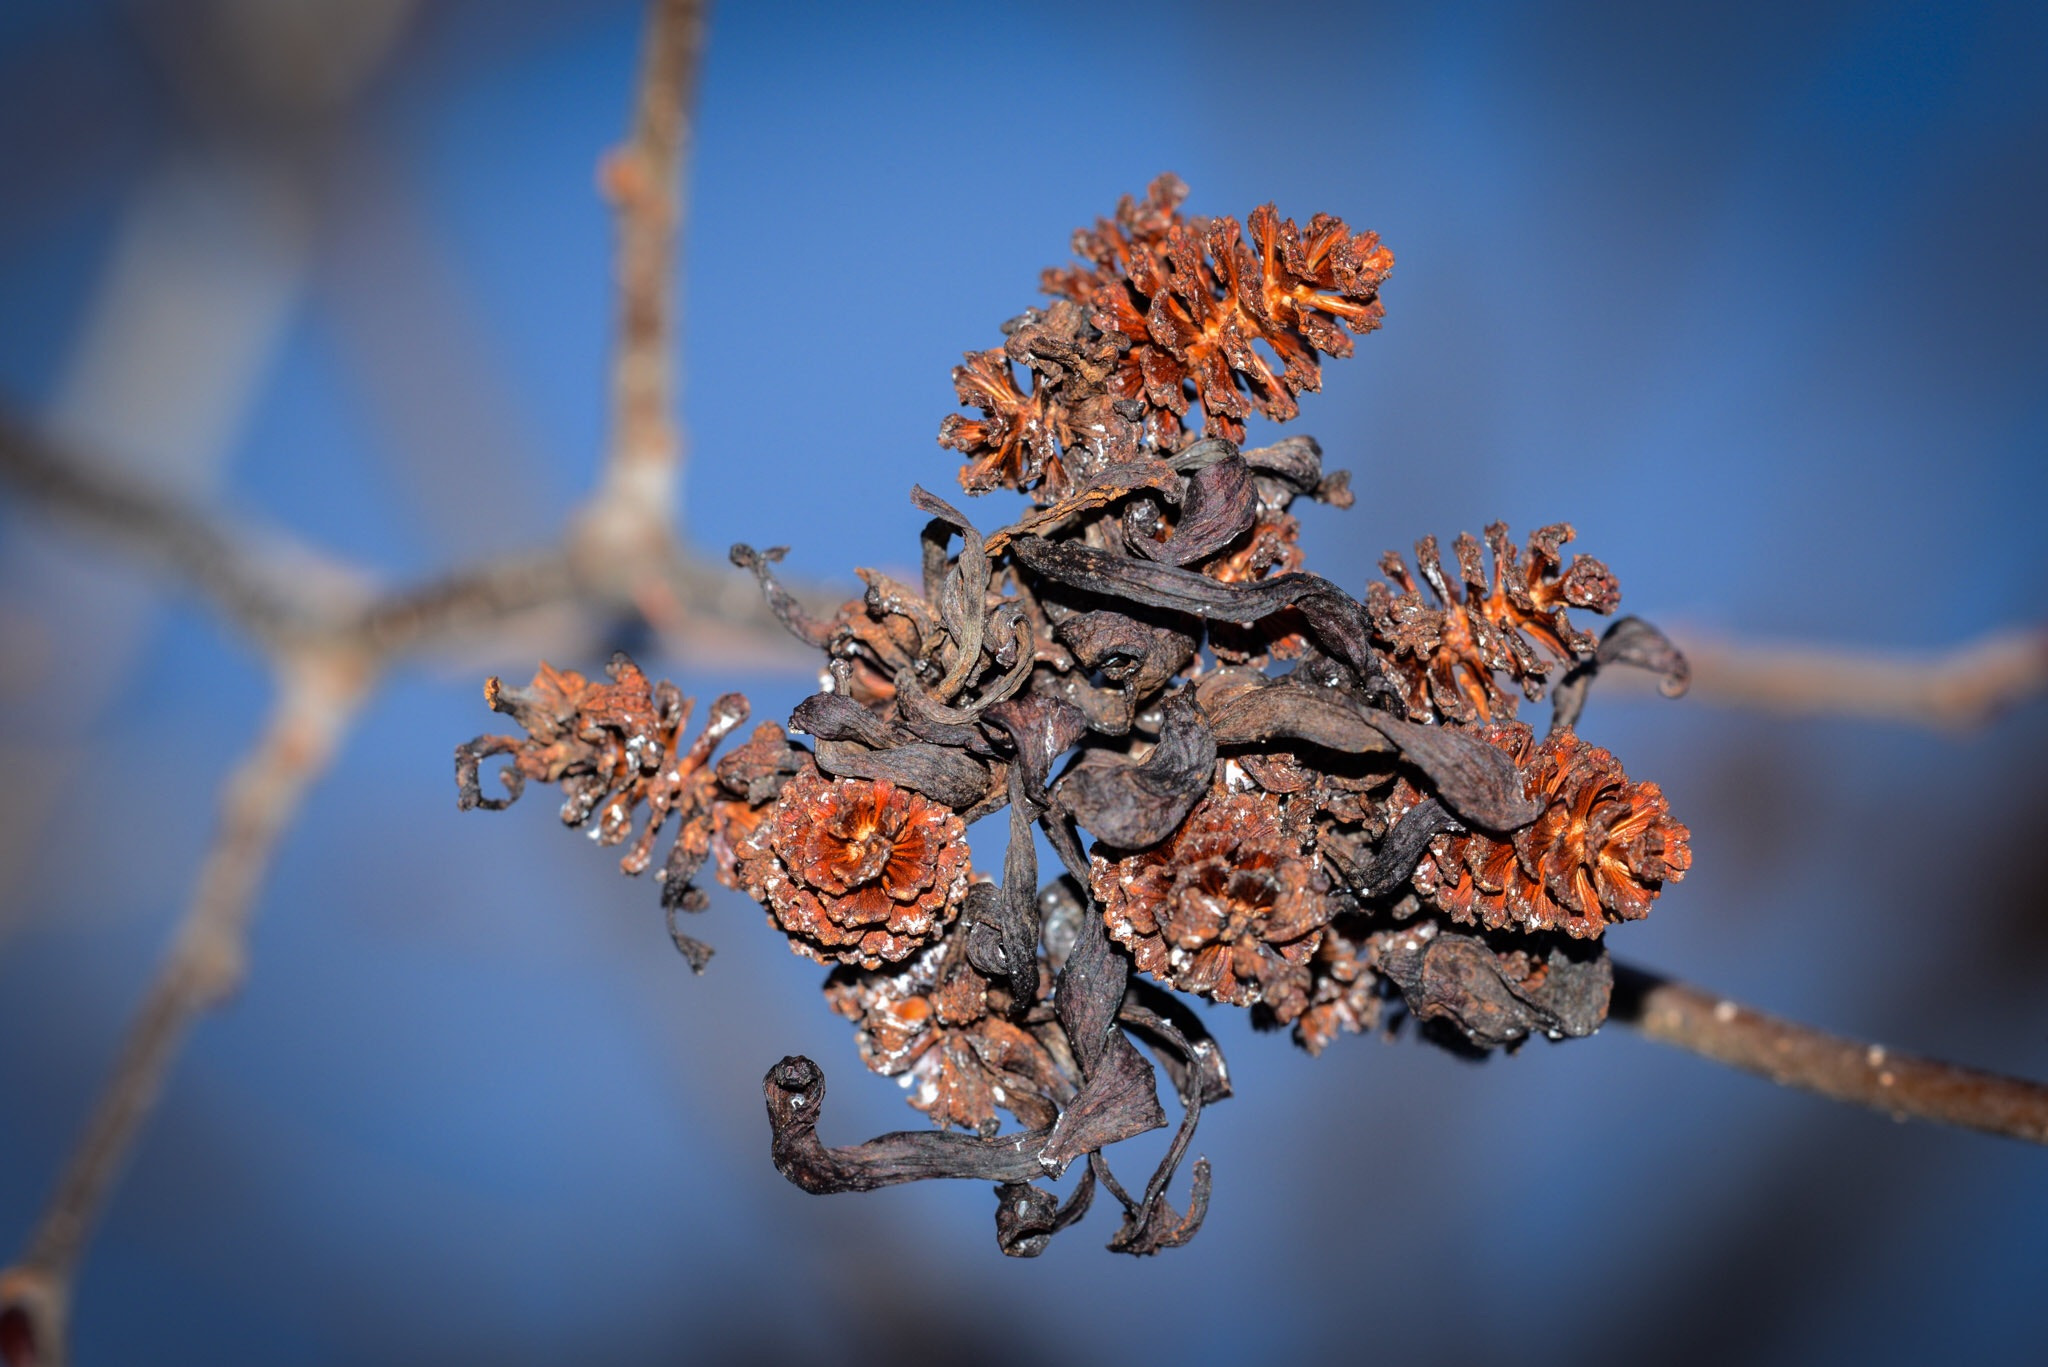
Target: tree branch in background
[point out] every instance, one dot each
(631, 515)
(1859, 1073)
(221, 561)
(319, 695)
(1965, 688)
(329, 638)
(284, 595)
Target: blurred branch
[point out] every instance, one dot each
(285, 595)
(1859, 1073)
(318, 697)
(621, 553)
(329, 638)
(218, 559)
(1962, 689)
(633, 509)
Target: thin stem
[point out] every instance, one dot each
(206, 962)
(1854, 1071)
(1964, 688)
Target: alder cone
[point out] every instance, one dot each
(856, 871)
(1228, 907)
(1191, 296)
(1165, 314)
(616, 750)
(1344, 995)
(1600, 853)
(1513, 619)
(931, 1023)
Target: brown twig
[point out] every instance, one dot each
(1848, 1070)
(1962, 689)
(634, 506)
(319, 696)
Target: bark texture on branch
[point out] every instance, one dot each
(1854, 1071)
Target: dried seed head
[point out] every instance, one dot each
(1165, 313)
(1344, 995)
(614, 749)
(1511, 620)
(931, 1020)
(854, 871)
(1228, 906)
(1601, 851)
(1192, 296)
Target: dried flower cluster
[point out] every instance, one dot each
(1301, 802)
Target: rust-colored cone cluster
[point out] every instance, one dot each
(1164, 315)
(1313, 806)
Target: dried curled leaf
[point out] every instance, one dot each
(1492, 996)
(1632, 642)
(1130, 806)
